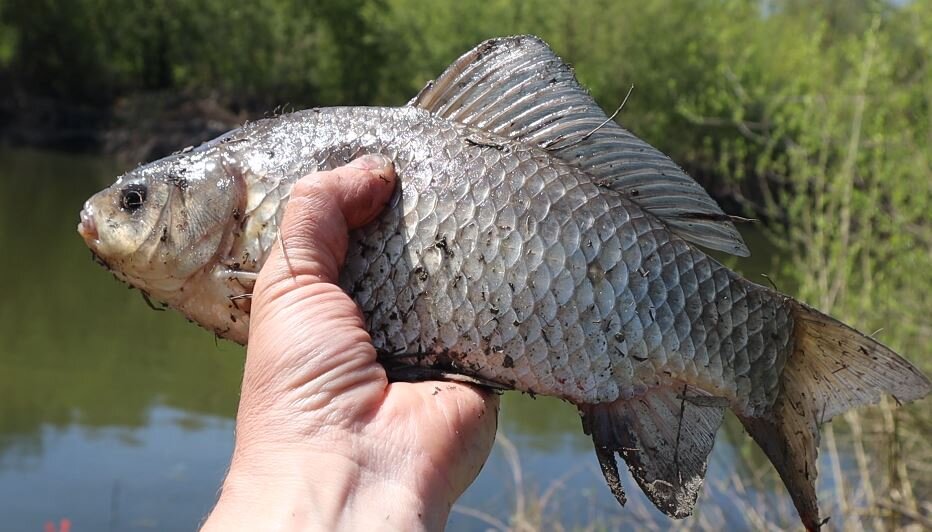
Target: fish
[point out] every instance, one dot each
(533, 244)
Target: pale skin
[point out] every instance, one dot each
(323, 440)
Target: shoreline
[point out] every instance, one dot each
(149, 125)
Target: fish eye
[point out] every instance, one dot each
(132, 197)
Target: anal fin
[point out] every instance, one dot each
(609, 468)
(665, 436)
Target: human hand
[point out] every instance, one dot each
(323, 440)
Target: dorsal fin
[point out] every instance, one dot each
(517, 87)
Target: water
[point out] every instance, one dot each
(120, 418)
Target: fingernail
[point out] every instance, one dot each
(372, 161)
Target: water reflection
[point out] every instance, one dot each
(78, 347)
(119, 418)
(159, 475)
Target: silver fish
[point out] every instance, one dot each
(533, 245)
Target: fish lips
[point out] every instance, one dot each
(87, 228)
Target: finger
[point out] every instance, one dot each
(476, 414)
(461, 420)
(303, 326)
(321, 210)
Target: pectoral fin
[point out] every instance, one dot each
(665, 436)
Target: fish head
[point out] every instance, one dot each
(160, 226)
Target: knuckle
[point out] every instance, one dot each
(349, 173)
(308, 186)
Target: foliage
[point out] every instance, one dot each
(707, 74)
(7, 40)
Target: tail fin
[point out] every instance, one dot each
(832, 369)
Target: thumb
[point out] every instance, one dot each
(302, 324)
(322, 208)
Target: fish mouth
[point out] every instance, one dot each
(88, 227)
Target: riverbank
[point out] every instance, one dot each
(137, 128)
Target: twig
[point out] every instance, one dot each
(514, 463)
(841, 496)
(482, 516)
(770, 280)
(550, 143)
(923, 520)
(609, 119)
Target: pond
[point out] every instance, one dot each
(116, 417)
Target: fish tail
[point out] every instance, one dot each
(831, 369)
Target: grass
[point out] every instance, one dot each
(874, 472)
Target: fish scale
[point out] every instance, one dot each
(565, 323)
(533, 244)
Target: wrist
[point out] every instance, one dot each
(283, 489)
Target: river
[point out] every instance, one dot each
(116, 417)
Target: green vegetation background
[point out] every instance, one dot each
(815, 116)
